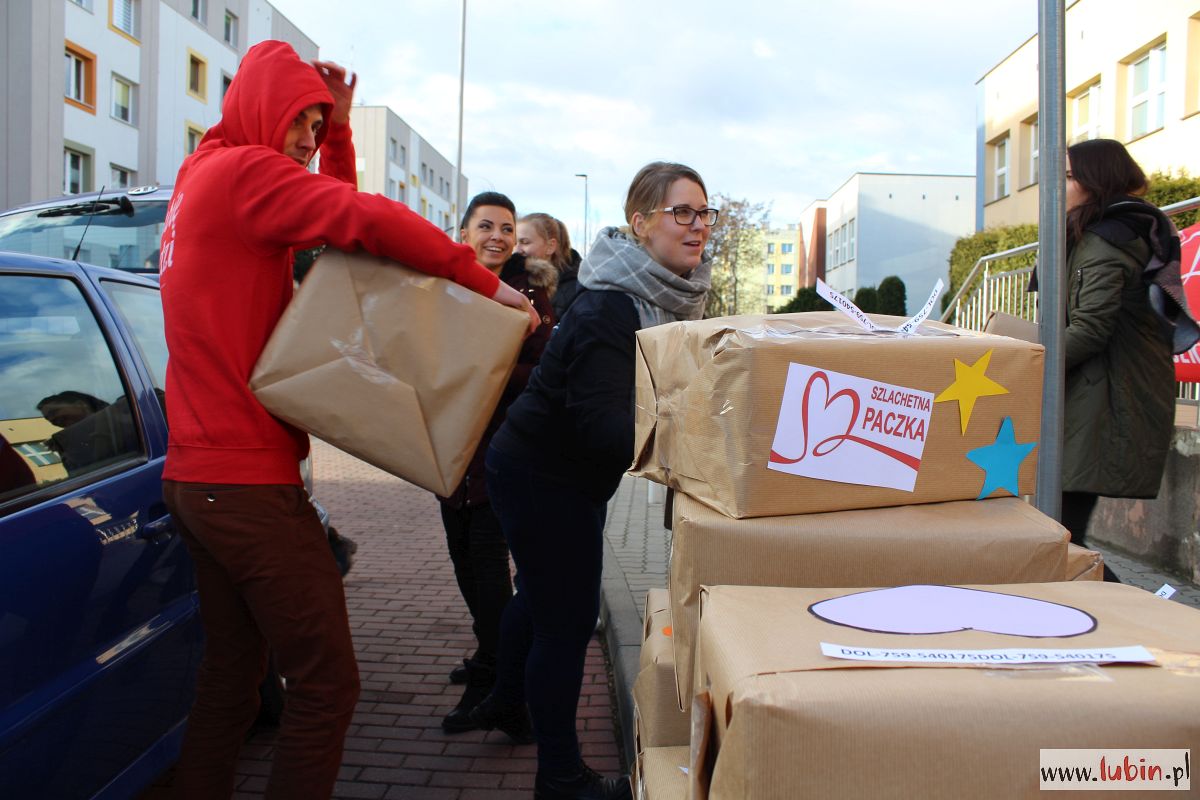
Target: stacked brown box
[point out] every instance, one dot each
(1004, 540)
(660, 774)
(658, 720)
(786, 721)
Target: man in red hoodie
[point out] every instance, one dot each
(242, 203)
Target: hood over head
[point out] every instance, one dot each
(272, 85)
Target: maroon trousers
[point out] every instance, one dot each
(266, 579)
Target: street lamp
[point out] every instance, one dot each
(462, 79)
(586, 241)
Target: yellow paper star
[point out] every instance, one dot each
(969, 385)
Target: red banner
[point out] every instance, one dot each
(1187, 366)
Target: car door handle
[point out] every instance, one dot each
(158, 529)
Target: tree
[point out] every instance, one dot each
(1167, 188)
(867, 299)
(806, 299)
(893, 298)
(739, 258)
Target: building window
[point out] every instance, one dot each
(86, 5)
(770, 288)
(231, 28)
(786, 248)
(226, 82)
(1148, 92)
(199, 10)
(124, 100)
(197, 77)
(850, 240)
(770, 269)
(1000, 168)
(1029, 132)
(123, 16)
(393, 149)
(785, 290)
(1085, 113)
(770, 248)
(829, 248)
(785, 269)
(77, 171)
(403, 156)
(80, 87)
(191, 138)
(121, 178)
(391, 188)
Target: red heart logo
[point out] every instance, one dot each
(819, 411)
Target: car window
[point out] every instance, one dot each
(141, 306)
(64, 410)
(115, 236)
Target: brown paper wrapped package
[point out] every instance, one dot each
(658, 720)
(709, 392)
(658, 775)
(1005, 540)
(398, 368)
(789, 722)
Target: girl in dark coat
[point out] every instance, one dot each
(542, 236)
(560, 454)
(473, 535)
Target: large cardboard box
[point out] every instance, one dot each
(399, 368)
(1004, 540)
(801, 413)
(661, 774)
(786, 721)
(658, 720)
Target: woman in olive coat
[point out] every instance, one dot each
(1120, 389)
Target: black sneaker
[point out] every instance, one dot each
(585, 784)
(459, 675)
(512, 720)
(480, 679)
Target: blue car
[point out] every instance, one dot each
(100, 634)
(99, 631)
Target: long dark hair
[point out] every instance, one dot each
(1105, 170)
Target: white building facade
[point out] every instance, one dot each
(879, 224)
(116, 93)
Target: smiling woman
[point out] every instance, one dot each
(560, 453)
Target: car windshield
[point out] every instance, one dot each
(121, 234)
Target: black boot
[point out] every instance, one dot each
(480, 679)
(585, 784)
(514, 721)
(459, 675)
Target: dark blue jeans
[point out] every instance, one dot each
(555, 533)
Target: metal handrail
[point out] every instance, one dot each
(1170, 210)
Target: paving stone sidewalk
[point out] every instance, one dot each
(637, 553)
(410, 628)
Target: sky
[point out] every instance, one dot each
(771, 101)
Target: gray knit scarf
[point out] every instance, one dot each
(617, 263)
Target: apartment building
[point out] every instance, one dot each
(812, 240)
(1132, 73)
(881, 224)
(395, 161)
(784, 264)
(116, 93)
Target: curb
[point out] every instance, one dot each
(623, 637)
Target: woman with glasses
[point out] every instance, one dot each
(560, 454)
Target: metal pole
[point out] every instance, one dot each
(1052, 254)
(462, 75)
(586, 241)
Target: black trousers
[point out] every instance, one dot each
(480, 558)
(1077, 508)
(556, 533)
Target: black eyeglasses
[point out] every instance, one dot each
(685, 215)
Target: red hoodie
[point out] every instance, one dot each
(239, 208)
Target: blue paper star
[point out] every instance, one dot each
(1001, 461)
